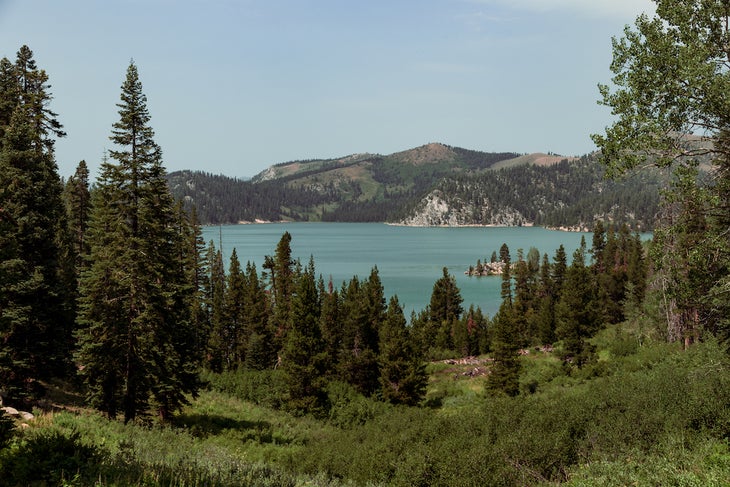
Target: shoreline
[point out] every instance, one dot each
(569, 229)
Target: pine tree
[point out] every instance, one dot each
(330, 324)
(235, 315)
(357, 359)
(599, 246)
(136, 340)
(303, 354)
(258, 341)
(215, 299)
(506, 288)
(374, 295)
(445, 310)
(403, 375)
(505, 374)
(577, 313)
(281, 268)
(35, 304)
(523, 297)
(559, 268)
(9, 94)
(77, 199)
(33, 94)
(468, 332)
(178, 357)
(198, 268)
(545, 315)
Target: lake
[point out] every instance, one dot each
(409, 259)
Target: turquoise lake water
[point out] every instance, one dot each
(409, 259)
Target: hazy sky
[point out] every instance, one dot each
(234, 86)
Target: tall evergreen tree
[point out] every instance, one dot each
(282, 272)
(470, 333)
(136, 335)
(77, 199)
(445, 310)
(506, 288)
(9, 94)
(35, 304)
(259, 348)
(403, 375)
(577, 313)
(358, 357)
(72, 239)
(215, 298)
(33, 93)
(330, 323)
(505, 373)
(198, 267)
(559, 268)
(376, 307)
(303, 354)
(523, 297)
(235, 314)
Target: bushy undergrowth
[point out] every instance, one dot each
(640, 415)
(679, 401)
(87, 449)
(266, 388)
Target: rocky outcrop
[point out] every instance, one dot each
(486, 269)
(14, 413)
(438, 210)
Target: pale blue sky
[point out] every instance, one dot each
(234, 86)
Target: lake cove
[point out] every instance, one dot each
(409, 259)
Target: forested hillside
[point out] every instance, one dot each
(568, 194)
(356, 188)
(430, 185)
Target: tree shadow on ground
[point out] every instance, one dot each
(204, 425)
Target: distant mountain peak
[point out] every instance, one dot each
(426, 154)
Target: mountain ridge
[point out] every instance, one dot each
(463, 186)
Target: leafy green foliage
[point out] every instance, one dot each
(50, 458)
(7, 429)
(670, 96)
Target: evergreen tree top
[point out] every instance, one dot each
(132, 127)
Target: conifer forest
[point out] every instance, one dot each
(132, 353)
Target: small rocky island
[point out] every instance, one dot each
(493, 268)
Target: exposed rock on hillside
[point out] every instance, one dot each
(438, 210)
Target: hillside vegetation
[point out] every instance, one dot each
(645, 414)
(566, 194)
(430, 185)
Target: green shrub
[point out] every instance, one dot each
(623, 344)
(50, 457)
(707, 466)
(7, 429)
(349, 408)
(265, 388)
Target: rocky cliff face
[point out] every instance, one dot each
(437, 210)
